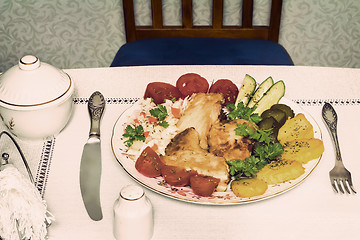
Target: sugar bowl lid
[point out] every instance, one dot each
(32, 83)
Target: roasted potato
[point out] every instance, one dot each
(280, 171)
(303, 150)
(248, 187)
(297, 127)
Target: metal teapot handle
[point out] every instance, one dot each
(21, 154)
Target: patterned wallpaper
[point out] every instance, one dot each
(88, 33)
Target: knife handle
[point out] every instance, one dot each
(96, 106)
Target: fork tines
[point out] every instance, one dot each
(341, 184)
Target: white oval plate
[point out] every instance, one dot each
(185, 193)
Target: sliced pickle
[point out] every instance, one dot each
(285, 108)
(279, 115)
(267, 123)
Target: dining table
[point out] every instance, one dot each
(309, 210)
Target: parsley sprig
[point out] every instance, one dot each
(240, 111)
(160, 113)
(262, 136)
(264, 152)
(134, 134)
(243, 112)
(247, 168)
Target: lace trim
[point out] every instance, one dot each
(303, 102)
(320, 102)
(108, 100)
(44, 166)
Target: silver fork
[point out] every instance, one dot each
(340, 177)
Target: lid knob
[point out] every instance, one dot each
(29, 63)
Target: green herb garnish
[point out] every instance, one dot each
(269, 151)
(253, 164)
(241, 111)
(160, 113)
(247, 168)
(263, 153)
(134, 134)
(164, 124)
(262, 136)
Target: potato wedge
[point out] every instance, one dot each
(281, 171)
(248, 187)
(303, 150)
(297, 127)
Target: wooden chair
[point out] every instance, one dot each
(206, 45)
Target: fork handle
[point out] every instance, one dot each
(330, 118)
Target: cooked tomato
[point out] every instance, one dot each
(227, 88)
(203, 185)
(149, 163)
(190, 83)
(159, 91)
(176, 176)
(175, 112)
(152, 119)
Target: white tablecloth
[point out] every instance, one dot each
(310, 211)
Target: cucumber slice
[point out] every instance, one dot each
(271, 97)
(264, 86)
(246, 90)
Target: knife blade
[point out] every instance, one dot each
(90, 166)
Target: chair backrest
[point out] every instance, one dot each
(216, 30)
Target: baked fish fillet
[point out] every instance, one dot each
(203, 110)
(184, 151)
(225, 143)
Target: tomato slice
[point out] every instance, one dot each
(176, 176)
(175, 112)
(159, 91)
(149, 163)
(203, 185)
(227, 88)
(190, 83)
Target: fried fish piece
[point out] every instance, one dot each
(184, 151)
(203, 110)
(225, 143)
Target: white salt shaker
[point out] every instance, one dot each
(133, 215)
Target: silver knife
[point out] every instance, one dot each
(90, 166)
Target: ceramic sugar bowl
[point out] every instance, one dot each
(35, 99)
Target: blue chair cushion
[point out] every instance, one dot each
(201, 51)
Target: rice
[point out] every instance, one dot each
(20, 201)
(158, 137)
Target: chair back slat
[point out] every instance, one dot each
(129, 20)
(247, 14)
(217, 14)
(275, 19)
(217, 29)
(157, 14)
(187, 14)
